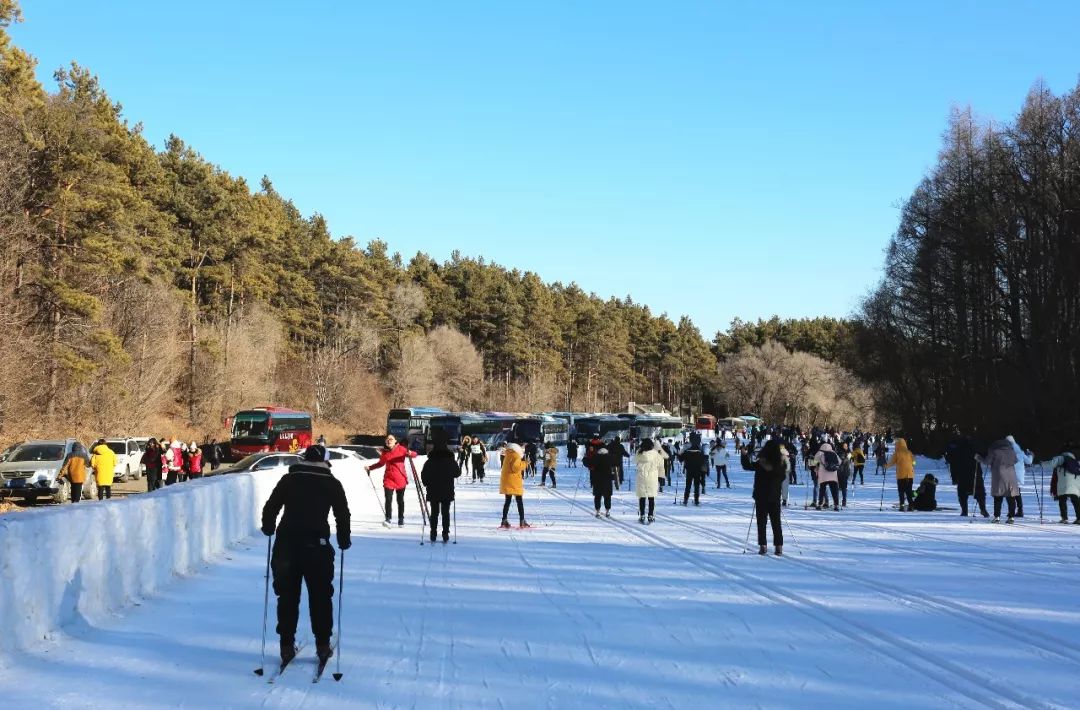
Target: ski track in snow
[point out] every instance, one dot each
(869, 609)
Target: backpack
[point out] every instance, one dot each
(747, 464)
(1071, 465)
(830, 461)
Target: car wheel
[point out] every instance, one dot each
(63, 493)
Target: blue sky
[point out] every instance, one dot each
(707, 158)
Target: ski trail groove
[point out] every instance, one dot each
(883, 643)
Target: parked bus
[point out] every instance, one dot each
(268, 429)
(705, 422)
(410, 425)
(605, 426)
(670, 427)
(569, 418)
(489, 428)
(541, 428)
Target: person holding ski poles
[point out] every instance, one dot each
(479, 459)
(302, 550)
(394, 479)
(858, 461)
(438, 476)
(770, 473)
(571, 453)
(551, 459)
(601, 475)
(904, 461)
(1065, 482)
(650, 467)
(464, 453)
(694, 466)
(511, 484)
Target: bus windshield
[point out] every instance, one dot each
(251, 425)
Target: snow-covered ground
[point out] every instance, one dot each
(866, 609)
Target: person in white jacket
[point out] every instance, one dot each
(1065, 482)
(719, 457)
(1022, 458)
(650, 469)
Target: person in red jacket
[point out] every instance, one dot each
(394, 479)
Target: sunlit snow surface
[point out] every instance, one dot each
(867, 609)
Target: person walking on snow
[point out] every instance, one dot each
(74, 470)
(551, 459)
(302, 550)
(904, 461)
(858, 460)
(571, 453)
(966, 474)
(826, 465)
(103, 461)
(479, 459)
(1064, 482)
(694, 466)
(770, 473)
(511, 484)
(719, 457)
(1022, 458)
(1001, 458)
(394, 478)
(438, 476)
(617, 452)
(650, 467)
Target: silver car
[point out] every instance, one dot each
(31, 471)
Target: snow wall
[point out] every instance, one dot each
(67, 568)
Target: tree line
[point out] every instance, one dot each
(975, 326)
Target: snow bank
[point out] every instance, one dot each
(71, 567)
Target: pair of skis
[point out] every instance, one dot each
(319, 668)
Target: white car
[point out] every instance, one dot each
(128, 458)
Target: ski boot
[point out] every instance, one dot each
(323, 650)
(763, 549)
(524, 525)
(401, 523)
(779, 550)
(641, 519)
(386, 523)
(505, 525)
(651, 519)
(598, 513)
(288, 651)
(607, 513)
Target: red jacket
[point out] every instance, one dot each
(395, 478)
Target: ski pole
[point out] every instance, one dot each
(340, 592)
(454, 505)
(783, 518)
(753, 512)
(1039, 491)
(266, 605)
(374, 491)
(573, 501)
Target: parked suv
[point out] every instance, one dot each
(128, 458)
(31, 471)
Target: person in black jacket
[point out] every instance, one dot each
(302, 550)
(438, 476)
(695, 466)
(617, 452)
(966, 474)
(601, 476)
(769, 474)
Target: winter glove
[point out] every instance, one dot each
(268, 531)
(344, 544)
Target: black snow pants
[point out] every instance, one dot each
(544, 475)
(1063, 504)
(904, 489)
(520, 507)
(997, 506)
(833, 487)
(606, 497)
(478, 467)
(767, 511)
(389, 493)
(641, 506)
(437, 507)
(76, 494)
(697, 480)
(310, 561)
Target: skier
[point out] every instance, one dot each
(479, 458)
(926, 496)
(1065, 482)
(844, 474)
(880, 455)
(302, 550)
(694, 465)
(720, 461)
(858, 460)
(966, 474)
(438, 476)
(394, 479)
(826, 464)
(103, 461)
(463, 454)
(571, 453)
(510, 483)
(904, 461)
(551, 459)
(1022, 458)
(601, 476)
(650, 466)
(531, 454)
(669, 462)
(770, 471)
(1001, 458)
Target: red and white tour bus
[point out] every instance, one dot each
(269, 429)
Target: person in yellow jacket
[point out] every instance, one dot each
(74, 470)
(904, 461)
(858, 460)
(511, 484)
(103, 462)
(551, 458)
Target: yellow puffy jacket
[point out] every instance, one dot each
(104, 464)
(904, 461)
(513, 465)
